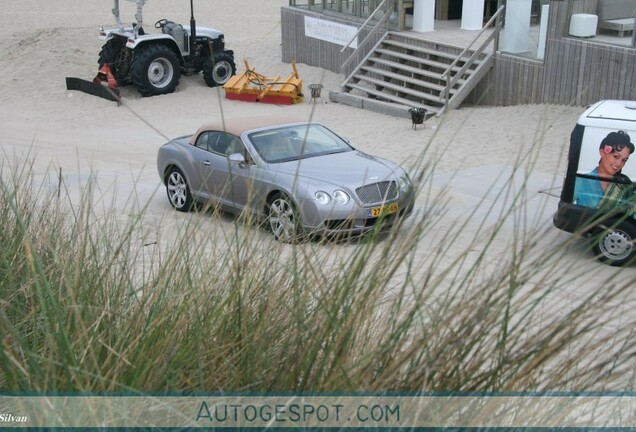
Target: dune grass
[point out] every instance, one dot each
(91, 301)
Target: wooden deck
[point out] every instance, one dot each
(574, 71)
(450, 32)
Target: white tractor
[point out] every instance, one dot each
(154, 62)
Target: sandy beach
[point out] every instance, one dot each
(474, 148)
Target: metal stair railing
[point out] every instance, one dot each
(382, 22)
(452, 79)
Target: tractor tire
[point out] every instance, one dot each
(218, 70)
(113, 53)
(155, 70)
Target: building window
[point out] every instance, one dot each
(357, 8)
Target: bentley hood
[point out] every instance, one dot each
(352, 169)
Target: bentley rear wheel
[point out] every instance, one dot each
(178, 191)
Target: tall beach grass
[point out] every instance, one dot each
(93, 301)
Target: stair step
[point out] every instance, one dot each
(420, 49)
(417, 93)
(394, 98)
(411, 69)
(441, 67)
(421, 60)
(411, 37)
(407, 78)
(381, 106)
(398, 78)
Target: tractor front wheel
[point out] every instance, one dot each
(155, 70)
(218, 70)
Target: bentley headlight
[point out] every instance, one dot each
(322, 197)
(341, 197)
(404, 182)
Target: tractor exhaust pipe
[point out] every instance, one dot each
(193, 29)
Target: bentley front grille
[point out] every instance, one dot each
(377, 192)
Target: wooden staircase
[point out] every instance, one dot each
(404, 72)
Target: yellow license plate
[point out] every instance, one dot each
(383, 211)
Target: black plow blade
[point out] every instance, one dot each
(93, 89)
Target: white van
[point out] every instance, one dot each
(598, 198)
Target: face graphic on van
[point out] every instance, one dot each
(602, 183)
(612, 161)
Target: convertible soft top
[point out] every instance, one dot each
(238, 125)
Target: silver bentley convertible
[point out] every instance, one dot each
(299, 177)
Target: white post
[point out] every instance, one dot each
(472, 15)
(517, 26)
(423, 15)
(543, 31)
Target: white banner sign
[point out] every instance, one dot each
(331, 32)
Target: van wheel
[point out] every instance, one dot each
(615, 245)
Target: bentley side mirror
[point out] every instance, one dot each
(237, 158)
